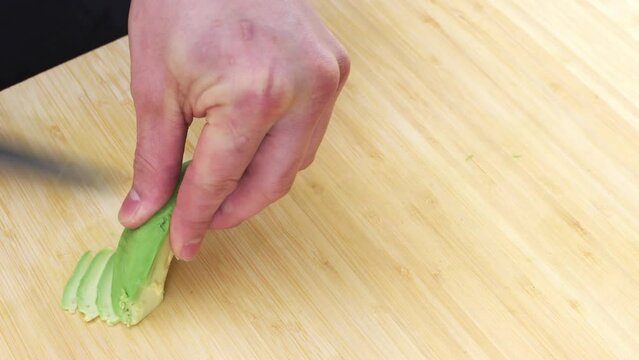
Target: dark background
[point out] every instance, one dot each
(36, 35)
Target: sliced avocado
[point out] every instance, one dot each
(105, 306)
(88, 289)
(125, 285)
(69, 299)
(141, 263)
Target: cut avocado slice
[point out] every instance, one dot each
(88, 289)
(105, 306)
(69, 299)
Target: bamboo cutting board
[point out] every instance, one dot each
(475, 197)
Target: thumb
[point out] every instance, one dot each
(161, 134)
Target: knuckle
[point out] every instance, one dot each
(141, 94)
(195, 217)
(136, 86)
(344, 65)
(152, 177)
(143, 166)
(326, 74)
(215, 188)
(239, 144)
(307, 162)
(225, 185)
(237, 139)
(278, 189)
(152, 94)
(269, 93)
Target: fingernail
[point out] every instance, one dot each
(130, 207)
(190, 249)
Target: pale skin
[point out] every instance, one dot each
(264, 75)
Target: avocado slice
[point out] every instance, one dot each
(88, 289)
(69, 299)
(105, 306)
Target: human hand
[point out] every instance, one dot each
(264, 74)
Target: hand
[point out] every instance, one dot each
(264, 74)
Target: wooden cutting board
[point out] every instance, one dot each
(476, 196)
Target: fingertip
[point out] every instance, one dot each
(185, 236)
(185, 250)
(190, 249)
(136, 209)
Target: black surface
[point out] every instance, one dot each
(36, 35)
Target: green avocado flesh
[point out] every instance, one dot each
(69, 299)
(126, 285)
(88, 290)
(104, 303)
(140, 265)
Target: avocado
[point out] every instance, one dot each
(105, 306)
(69, 299)
(88, 289)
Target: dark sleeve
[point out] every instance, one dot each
(36, 35)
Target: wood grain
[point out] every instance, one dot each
(475, 197)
